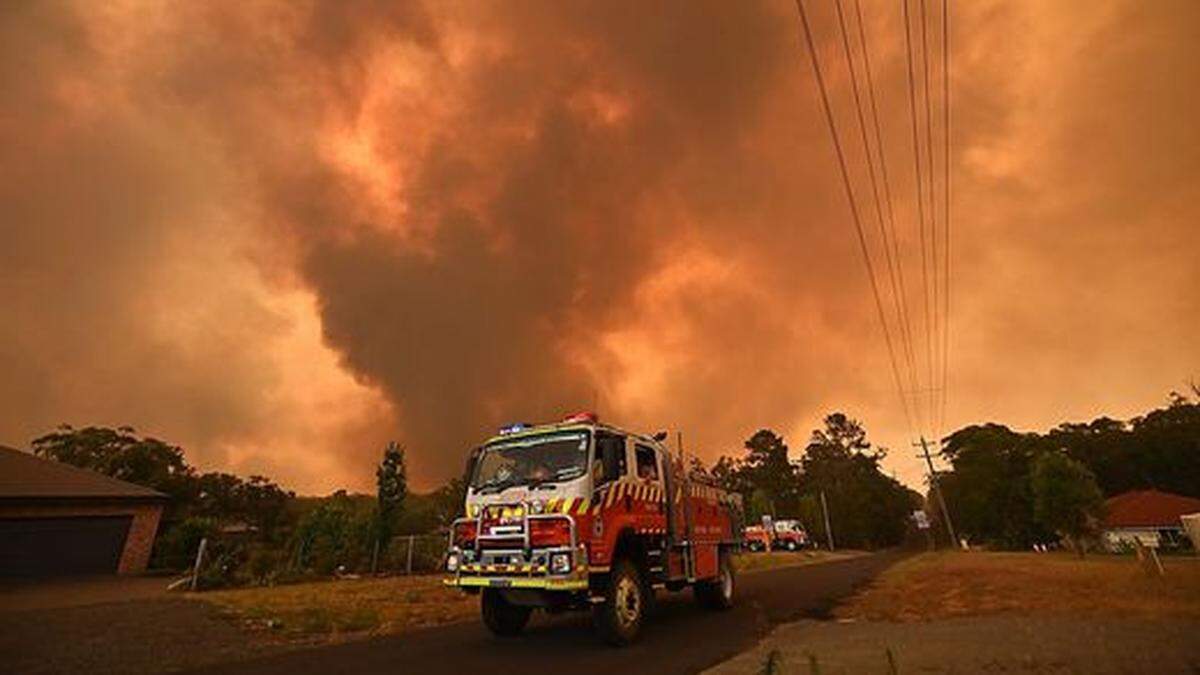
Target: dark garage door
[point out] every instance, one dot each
(43, 547)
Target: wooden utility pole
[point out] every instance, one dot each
(937, 491)
(828, 529)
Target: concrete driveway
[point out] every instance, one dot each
(27, 594)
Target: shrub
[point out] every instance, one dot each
(176, 548)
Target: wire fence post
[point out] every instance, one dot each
(408, 564)
(375, 557)
(199, 562)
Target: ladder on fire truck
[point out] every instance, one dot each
(683, 544)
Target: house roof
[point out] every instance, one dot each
(24, 476)
(1148, 508)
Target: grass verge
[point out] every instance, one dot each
(334, 610)
(748, 562)
(943, 585)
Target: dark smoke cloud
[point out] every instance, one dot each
(492, 212)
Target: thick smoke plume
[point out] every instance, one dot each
(280, 233)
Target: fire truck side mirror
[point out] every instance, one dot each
(472, 459)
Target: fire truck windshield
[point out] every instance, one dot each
(530, 460)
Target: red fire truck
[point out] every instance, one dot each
(583, 515)
(774, 534)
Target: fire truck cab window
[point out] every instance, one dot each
(610, 458)
(647, 464)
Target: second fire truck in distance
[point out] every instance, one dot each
(583, 515)
(776, 534)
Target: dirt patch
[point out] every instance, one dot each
(945, 585)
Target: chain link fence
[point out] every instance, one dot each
(225, 561)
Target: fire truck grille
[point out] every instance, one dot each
(483, 569)
(501, 542)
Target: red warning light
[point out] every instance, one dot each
(589, 417)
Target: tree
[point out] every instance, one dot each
(449, 500)
(768, 469)
(336, 533)
(391, 481)
(123, 454)
(867, 508)
(989, 489)
(1067, 499)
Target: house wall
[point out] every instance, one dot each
(142, 530)
(1124, 538)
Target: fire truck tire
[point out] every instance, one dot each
(791, 545)
(619, 618)
(718, 593)
(502, 617)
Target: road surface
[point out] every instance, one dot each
(679, 637)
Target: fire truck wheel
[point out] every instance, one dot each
(619, 618)
(718, 593)
(501, 616)
(791, 545)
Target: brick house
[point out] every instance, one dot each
(57, 519)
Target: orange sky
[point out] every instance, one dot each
(281, 233)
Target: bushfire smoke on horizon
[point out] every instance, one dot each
(281, 233)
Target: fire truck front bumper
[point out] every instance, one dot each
(538, 583)
(487, 574)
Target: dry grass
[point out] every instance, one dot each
(331, 610)
(943, 585)
(753, 562)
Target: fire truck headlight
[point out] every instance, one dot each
(537, 507)
(560, 563)
(452, 562)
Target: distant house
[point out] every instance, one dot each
(1149, 516)
(57, 519)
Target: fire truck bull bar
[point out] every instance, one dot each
(480, 573)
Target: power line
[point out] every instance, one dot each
(887, 193)
(912, 107)
(933, 254)
(946, 207)
(862, 129)
(862, 240)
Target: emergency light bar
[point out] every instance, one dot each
(513, 428)
(589, 417)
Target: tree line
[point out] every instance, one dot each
(259, 532)
(1005, 489)
(1011, 489)
(867, 508)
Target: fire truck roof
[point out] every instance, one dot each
(580, 421)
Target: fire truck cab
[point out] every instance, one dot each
(583, 515)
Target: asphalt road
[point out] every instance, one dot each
(680, 636)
